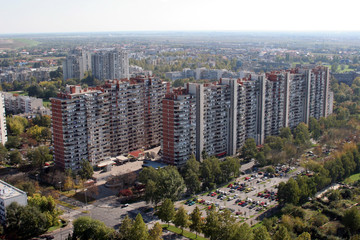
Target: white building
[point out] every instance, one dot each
(8, 195)
(3, 131)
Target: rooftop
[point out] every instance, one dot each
(8, 191)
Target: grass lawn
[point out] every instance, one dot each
(187, 234)
(352, 178)
(47, 103)
(65, 204)
(21, 93)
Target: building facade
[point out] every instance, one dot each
(76, 64)
(110, 64)
(96, 123)
(232, 110)
(3, 130)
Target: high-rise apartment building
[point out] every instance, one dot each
(96, 123)
(232, 110)
(3, 131)
(179, 126)
(110, 64)
(76, 64)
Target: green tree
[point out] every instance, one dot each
(244, 232)
(192, 182)
(196, 221)
(289, 192)
(38, 156)
(125, 228)
(13, 142)
(351, 220)
(15, 157)
(25, 221)
(314, 128)
(86, 228)
(3, 153)
(304, 236)
(301, 134)
(191, 175)
(139, 230)
(86, 170)
(28, 187)
(261, 233)
(156, 232)
(211, 228)
(166, 211)
(47, 206)
(181, 219)
(42, 121)
(282, 234)
(260, 159)
(249, 150)
(285, 133)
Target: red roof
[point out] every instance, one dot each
(136, 153)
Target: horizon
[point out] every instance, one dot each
(92, 16)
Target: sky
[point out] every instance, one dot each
(46, 16)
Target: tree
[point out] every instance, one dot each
(86, 170)
(192, 182)
(304, 236)
(28, 187)
(15, 157)
(35, 132)
(156, 232)
(69, 183)
(125, 228)
(301, 134)
(196, 221)
(244, 232)
(261, 233)
(13, 142)
(285, 133)
(47, 206)
(314, 128)
(181, 219)
(139, 230)
(282, 234)
(260, 159)
(289, 192)
(3, 153)
(164, 183)
(211, 228)
(25, 221)
(88, 228)
(351, 220)
(249, 149)
(166, 211)
(42, 121)
(38, 156)
(191, 175)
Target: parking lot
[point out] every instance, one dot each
(247, 197)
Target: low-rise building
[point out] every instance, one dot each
(8, 195)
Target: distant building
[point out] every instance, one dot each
(8, 195)
(17, 104)
(110, 64)
(76, 64)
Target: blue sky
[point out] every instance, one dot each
(40, 16)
